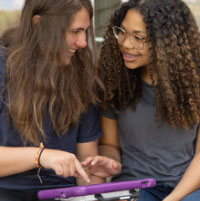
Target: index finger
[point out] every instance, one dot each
(81, 171)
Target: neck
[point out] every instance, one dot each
(146, 76)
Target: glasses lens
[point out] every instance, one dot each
(119, 33)
(136, 40)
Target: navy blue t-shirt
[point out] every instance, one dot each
(86, 130)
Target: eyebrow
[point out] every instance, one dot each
(79, 29)
(135, 31)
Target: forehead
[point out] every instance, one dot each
(133, 21)
(81, 19)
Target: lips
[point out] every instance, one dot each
(72, 51)
(129, 57)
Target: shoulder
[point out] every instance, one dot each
(90, 113)
(109, 113)
(89, 128)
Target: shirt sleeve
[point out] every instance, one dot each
(89, 129)
(109, 113)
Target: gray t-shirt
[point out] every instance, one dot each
(149, 150)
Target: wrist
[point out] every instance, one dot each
(93, 180)
(38, 155)
(96, 179)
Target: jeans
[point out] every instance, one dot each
(17, 195)
(160, 191)
(195, 196)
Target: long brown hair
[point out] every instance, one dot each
(37, 80)
(174, 46)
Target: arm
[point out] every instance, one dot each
(16, 159)
(83, 151)
(191, 179)
(20, 159)
(109, 143)
(100, 167)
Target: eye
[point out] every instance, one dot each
(74, 31)
(121, 31)
(78, 31)
(137, 37)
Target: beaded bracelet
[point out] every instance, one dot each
(38, 154)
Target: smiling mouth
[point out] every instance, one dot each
(130, 57)
(72, 51)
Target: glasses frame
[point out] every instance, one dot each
(130, 36)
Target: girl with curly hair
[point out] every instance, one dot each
(48, 83)
(150, 65)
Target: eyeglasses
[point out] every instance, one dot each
(137, 41)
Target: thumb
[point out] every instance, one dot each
(58, 170)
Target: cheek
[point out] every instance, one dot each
(69, 40)
(146, 55)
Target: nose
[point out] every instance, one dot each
(82, 41)
(127, 43)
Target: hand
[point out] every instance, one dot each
(63, 163)
(101, 166)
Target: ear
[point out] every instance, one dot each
(35, 19)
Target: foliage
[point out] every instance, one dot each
(8, 19)
(195, 8)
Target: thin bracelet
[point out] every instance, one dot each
(40, 156)
(38, 174)
(40, 167)
(37, 165)
(37, 160)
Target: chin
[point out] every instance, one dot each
(132, 66)
(67, 62)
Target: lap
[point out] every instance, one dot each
(153, 194)
(157, 193)
(192, 197)
(15, 195)
(147, 196)
(9, 195)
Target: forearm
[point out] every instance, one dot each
(16, 159)
(110, 152)
(93, 180)
(190, 181)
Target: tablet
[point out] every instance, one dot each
(77, 191)
(132, 195)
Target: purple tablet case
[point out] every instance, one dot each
(76, 191)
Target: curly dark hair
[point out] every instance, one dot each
(174, 46)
